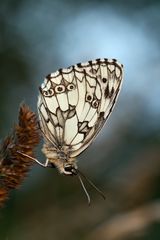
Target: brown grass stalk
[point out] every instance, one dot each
(13, 166)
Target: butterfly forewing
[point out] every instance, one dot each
(75, 102)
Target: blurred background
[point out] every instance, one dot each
(39, 37)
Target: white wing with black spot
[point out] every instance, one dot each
(74, 103)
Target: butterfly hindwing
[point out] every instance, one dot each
(74, 103)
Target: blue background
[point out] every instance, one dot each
(39, 37)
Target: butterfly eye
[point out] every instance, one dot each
(95, 104)
(89, 98)
(68, 168)
(60, 89)
(71, 87)
(48, 93)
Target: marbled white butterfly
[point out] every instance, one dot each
(73, 105)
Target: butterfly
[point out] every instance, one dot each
(73, 105)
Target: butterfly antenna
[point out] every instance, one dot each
(92, 184)
(85, 190)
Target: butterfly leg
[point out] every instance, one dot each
(46, 164)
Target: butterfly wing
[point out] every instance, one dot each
(74, 103)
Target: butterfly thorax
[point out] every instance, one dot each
(60, 159)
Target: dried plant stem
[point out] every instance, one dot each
(13, 166)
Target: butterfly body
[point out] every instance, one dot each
(60, 159)
(73, 105)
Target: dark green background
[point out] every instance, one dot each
(38, 37)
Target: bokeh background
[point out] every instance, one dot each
(37, 38)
